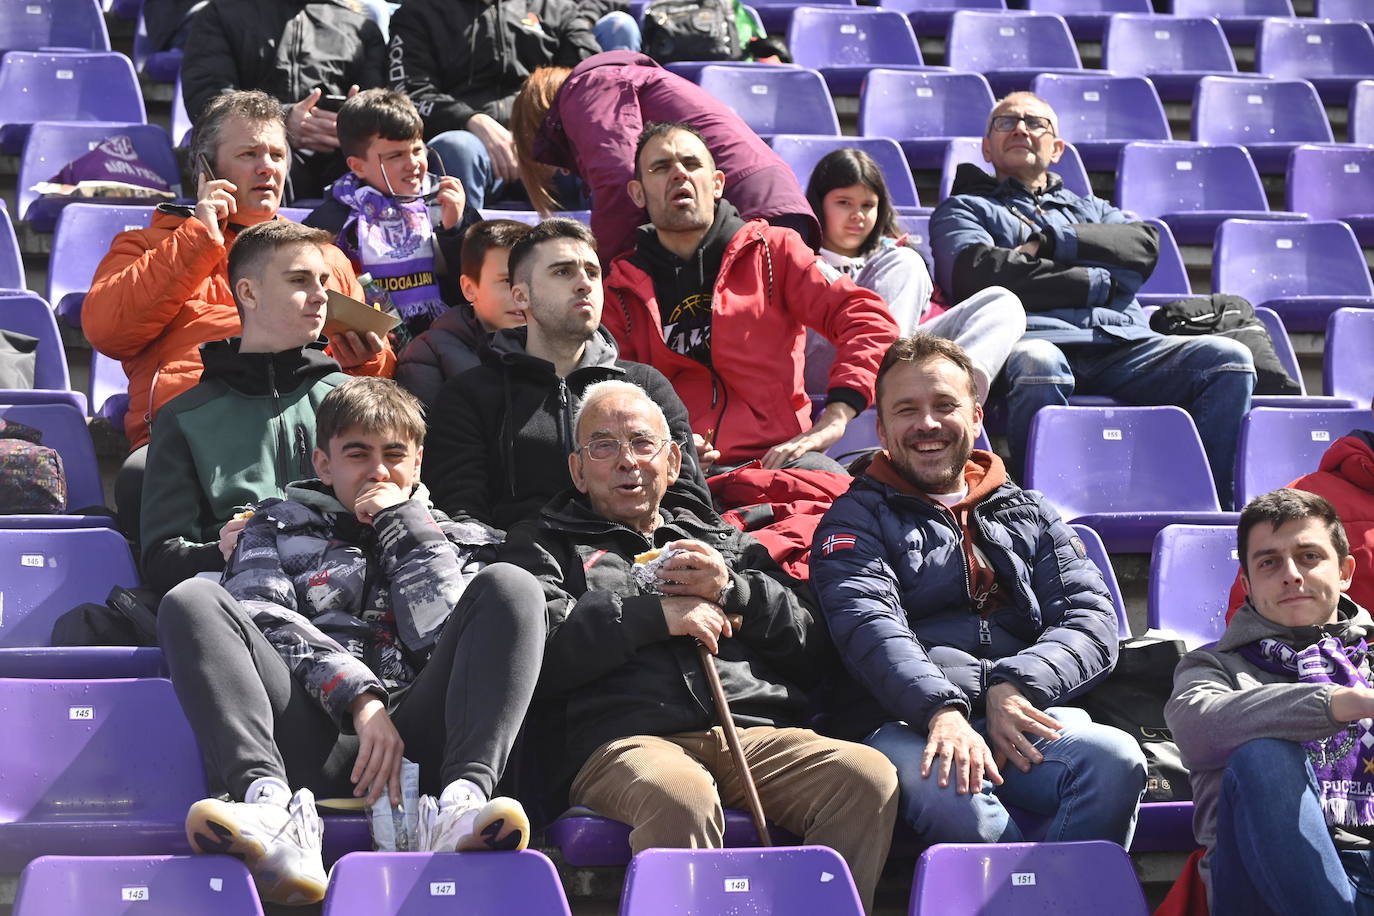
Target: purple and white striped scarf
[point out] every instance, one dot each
(395, 243)
(1344, 762)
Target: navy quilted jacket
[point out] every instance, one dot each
(894, 589)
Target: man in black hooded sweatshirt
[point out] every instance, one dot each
(500, 433)
(247, 428)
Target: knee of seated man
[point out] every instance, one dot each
(1225, 351)
(188, 603)
(862, 771)
(1260, 757)
(1036, 357)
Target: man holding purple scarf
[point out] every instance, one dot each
(1275, 721)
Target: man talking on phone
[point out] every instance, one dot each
(163, 291)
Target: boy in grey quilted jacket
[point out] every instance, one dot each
(346, 633)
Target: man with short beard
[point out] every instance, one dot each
(968, 613)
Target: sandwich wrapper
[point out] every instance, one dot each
(344, 313)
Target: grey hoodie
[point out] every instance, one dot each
(1221, 700)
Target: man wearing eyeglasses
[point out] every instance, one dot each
(500, 433)
(1076, 264)
(640, 740)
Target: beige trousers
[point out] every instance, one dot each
(671, 791)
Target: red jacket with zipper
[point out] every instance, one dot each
(768, 291)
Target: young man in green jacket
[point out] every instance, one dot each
(247, 427)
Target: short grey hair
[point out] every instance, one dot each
(604, 391)
(252, 104)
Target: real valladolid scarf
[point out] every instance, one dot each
(395, 244)
(1343, 763)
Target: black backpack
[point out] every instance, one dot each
(691, 30)
(1234, 317)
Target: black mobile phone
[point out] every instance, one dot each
(203, 167)
(331, 102)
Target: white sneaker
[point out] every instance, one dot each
(280, 846)
(473, 826)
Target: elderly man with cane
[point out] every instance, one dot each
(631, 580)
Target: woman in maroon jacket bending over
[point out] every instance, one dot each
(586, 120)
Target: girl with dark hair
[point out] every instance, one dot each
(861, 238)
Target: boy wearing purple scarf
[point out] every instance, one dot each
(394, 219)
(1275, 721)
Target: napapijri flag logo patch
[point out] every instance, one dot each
(837, 542)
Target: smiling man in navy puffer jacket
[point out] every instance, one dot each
(968, 613)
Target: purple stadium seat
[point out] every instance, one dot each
(1103, 467)
(1010, 48)
(860, 435)
(529, 217)
(1174, 53)
(1191, 571)
(80, 241)
(1332, 56)
(141, 885)
(775, 100)
(1361, 129)
(51, 145)
(1322, 183)
(1088, 19)
(844, 43)
(803, 151)
(796, 881)
(63, 422)
(158, 66)
(970, 149)
(930, 18)
(419, 884)
(1240, 19)
(691, 69)
(27, 313)
(923, 110)
(1302, 270)
(1270, 118)
(1347, 369)
(181, 121)
(1098, 554)
(109, 389)
(776, 15)
(65, 86)
(1345, 10)
(917, 229)
(99, 767)
(32, 25)
(587, 840)
(1193, 188)
(1278, 446)
(79, 662)
(1169, 280)
(50, 571)
(1100, 114)
(11, 263)
(1283, 346)
(1066, 879)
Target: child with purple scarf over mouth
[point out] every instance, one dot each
(1275, 722)
(394, 219)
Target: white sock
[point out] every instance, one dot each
(268, 790)
(461, 792)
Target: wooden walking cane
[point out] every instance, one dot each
(727, 722)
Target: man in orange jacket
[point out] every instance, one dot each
(163, 291)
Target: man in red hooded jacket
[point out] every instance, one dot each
(721, 306)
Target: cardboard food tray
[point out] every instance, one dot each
(348, 314)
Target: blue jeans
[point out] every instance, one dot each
(1273, 852)
(465, 158)
(1210, 377)
(1089, 785)
(617, 31)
